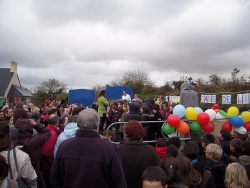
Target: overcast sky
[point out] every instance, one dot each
(85, 43)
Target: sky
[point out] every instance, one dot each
(85, 43)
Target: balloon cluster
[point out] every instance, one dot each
(202, 120)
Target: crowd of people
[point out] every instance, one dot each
(67, 146)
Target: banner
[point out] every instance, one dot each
(226, 99)
(208, 99)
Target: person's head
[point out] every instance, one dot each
(88, 119)
(164, 106)
(161, 142)
(207, 139)
(171, 106)
(76, 111)
(53, 120)
(20, 113)
(4, 168)
(136, 96)
(246, 148)
(52, 111)
(191, 150)
(197, 139)
(124, 93)
(236, 176)
(125, 107)
(145, 109)
(175, 141)
(19, 105)
(224, 135)
(134, 107)
(8, 112)
(1, 115)
(31, 105)
(172, 151)
(154, 177)
(214, 152)
(156, 108)
(134, 130)
(240, 133)
(5, 140)
(36, 117)
(236, 145)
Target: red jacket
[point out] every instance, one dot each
(161, 151)
(47, 155)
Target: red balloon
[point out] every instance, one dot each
(227, 126)
(208, 128)
(203, 118)
(247, 126)
(216, 106)
(173, 120)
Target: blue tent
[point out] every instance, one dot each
(115, 92)
(82, 96)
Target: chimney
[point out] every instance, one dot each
(13, 67)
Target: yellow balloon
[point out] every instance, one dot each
(245, 116)
(233, 111)
(191, 113)
(176, 101)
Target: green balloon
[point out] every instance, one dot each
(168, 129)
(224, 114)
(195, 126)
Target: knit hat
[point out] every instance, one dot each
(241, 130)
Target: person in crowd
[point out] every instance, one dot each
(122, 119)
(161, 148)
(188, 97)
(99, 167)
(159, 100)
(207, 138)
(25, 169)
(171, 107)
(165, 112)
(224, 138)
(102, 104)
(4, 171)
(1, 115)
(8, 114)
(173, 151)
(154, 177)
(245, 159)
(34, 109)
(191, 151)
(196, 137)
(136, 155)
(133, 113)
(126, 96)
(155, 128)
(236, 176)
(236, 146)
(94, 105)
(47, 154)
(32, 144)
(146, 116)
(136, 98)
(240, 133)
(214, 154)
(25, 107)
(180, 172)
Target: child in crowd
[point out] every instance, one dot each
(156, 127)
(154, 177)
(224, 138)
(161, 148)
(206, 139)
(217, 166)
(173, 151)
(245, 159)
(236, 176)
(236, 146)
(165, 110)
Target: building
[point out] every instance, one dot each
(10, 86)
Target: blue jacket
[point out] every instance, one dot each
(69, 132)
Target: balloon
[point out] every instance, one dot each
(203, 118)
(216, 106)
(183, 127)
(191, 113)
(179, 110)
(198, 109)
(219, 116)
(173, 120)
(195, 126)
(236, 121)
(211, 113)
(233, 111)
(208, 128)
(245, 116)
(247, 126)
(176, 101)
(168, 129)
(224, 114)
(227, 126)
(216, 110)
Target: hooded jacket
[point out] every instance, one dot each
(188, 97)
(245, 161)
(69, 132)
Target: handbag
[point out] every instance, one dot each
(20, 181)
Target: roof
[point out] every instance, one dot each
(5, 78)
(16, 91)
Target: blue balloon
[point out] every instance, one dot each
(179, 110)
(236, 121)
(198, 109)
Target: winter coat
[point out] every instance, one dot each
(188, 97)
(245, 161)
(136, 157)
(102, 105)
(69, 132)
(26, 171)
(86, 160)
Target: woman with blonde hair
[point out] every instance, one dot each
(236, 176)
